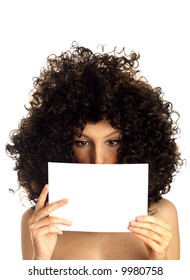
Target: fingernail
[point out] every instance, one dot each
(139, 218)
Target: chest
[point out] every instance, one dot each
(99, 246)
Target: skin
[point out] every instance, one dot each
(153, 237)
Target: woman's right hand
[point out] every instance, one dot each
(42, 226)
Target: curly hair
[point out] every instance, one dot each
(78, 87)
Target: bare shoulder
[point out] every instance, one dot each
(164, 209)
(26, 243)
(27, 215)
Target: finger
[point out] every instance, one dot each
(156, 247)
(47, 210)
(46, 230)
(150, 226)
(151, 243)
(48, 221)
(42, 199)
(146, 234)
(153, 220)
(162, 238)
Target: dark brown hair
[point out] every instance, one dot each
(80, 86)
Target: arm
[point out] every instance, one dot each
(159, 232)
(26, 242)
(39, 233)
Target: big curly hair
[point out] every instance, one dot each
(78, 87)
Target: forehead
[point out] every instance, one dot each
(102, 128)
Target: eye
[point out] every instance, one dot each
(113, 142)
(81, 144)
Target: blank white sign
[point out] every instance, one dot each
(102, 197)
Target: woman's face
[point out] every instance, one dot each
(98, 144)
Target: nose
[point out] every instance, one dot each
(98, 156)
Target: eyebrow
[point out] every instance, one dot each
(106, 136)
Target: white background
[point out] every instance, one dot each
(31, 30)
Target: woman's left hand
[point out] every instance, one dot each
(155, 233)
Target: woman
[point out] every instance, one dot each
(96, 108)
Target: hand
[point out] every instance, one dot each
(42, 226)
(155, 233)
